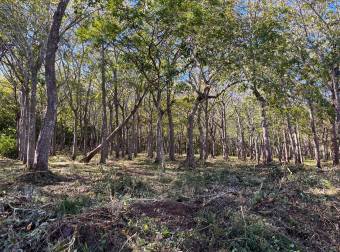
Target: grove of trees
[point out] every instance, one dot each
(248, 78)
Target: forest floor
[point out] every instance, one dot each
(131, 206)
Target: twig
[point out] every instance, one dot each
(127, 240)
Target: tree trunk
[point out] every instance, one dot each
(159, 140)
(206, 130)
(32, 121)
(294, 142)
(46, 132)
(190, 159)
(241, 143)
(265, 130)
(325, 156)
(286, 146)
(150, 135)
(116, 107)
(224, 133)
(335, 146)
(171, 126)
(75, 140)
(111, 127)
(298, 140)
(315, 136)
(201, 133)
(336, 120)
(104, 149)
(23, 124)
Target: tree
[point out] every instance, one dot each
(46, 132)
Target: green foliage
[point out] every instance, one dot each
(236, 232)
(124, 186)
(7, 109)
(8, 146)
(197, 183)
(73, 205)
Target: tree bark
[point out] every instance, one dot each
(241, 143)
(315, 136)
(104, 149)
(46, 132)
(190, 159)
(224, 134)
(265, 131)
(336, 120)
(171, 132)
(265, 127)
(75, 140)
(32, 121)
(201, 132)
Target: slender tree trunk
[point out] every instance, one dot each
(118, 137)
(190, 159)
(286, 146)
(335, 146)
(32, 120)
(336, 120)
(201, 132)
(150, 134)
(54, 142)
(171, 132)
(23, 124)
(46, 132)
(150, 141)
(111, 126)
(315, 136)
(75, 140)
(104, 150)
(224, 133)
(159, 140)
(129, 144)
(86, 123)
(325, 156)
(265, 132)
(242, 150)
(206, 129)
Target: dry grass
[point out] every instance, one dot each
(131, 205)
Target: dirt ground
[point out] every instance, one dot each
(132, 206)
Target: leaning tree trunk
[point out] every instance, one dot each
(46, 132)
(92, 153)
(315, 136)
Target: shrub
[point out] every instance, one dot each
(8, 147)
